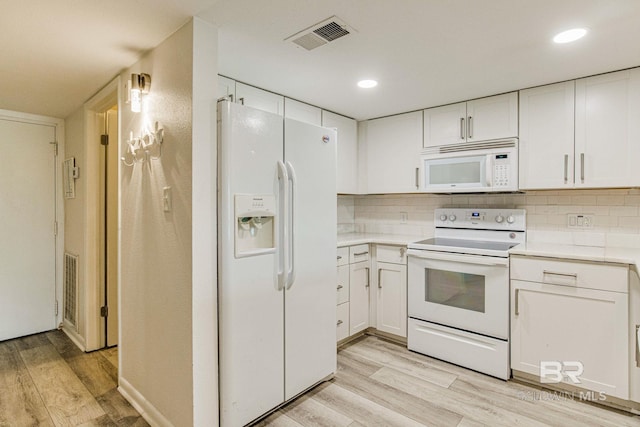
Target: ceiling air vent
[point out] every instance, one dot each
(321, 33)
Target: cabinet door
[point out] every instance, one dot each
(393, 153)
(342, 321)
(494, 117)
(551, 323)
(607, 145)
(358, 297)
(343, 284)
(302, 112)
(546, 136)
(260, 99)
(347, 172)
(226, 87)
(445, 125)
(392, 298)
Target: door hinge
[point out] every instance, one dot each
(55, 147)
(56, 307)
(104, 311)
(104, 139)
(55, 228)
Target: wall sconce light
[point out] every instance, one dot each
(138, 85)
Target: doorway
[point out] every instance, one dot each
(109, 225)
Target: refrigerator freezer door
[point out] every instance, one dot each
(251, 305)
(310, 331)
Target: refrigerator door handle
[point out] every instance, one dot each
(283, 234)
(291, 272)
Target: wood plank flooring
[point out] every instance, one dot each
(45, 380)
(379, 383)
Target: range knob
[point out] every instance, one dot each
(499, 219)
(511, 219)
(443, 217)
(452, 217)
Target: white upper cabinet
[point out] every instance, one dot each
(393, 146)
(302, 112)
(481, 119)
(347, 172)
(226, 87)
(260, 99)
(546, 136)
(607, 141)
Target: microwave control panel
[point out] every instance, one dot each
(501, 170)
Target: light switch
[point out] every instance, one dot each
(166, 199)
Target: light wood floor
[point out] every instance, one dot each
(45, 380)
(379, 383)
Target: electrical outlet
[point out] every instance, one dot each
(404, 217)
(581, 221)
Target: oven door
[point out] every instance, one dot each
(468, 292)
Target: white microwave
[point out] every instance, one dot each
(471, 168)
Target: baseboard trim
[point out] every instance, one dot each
(73, 335)
(142, 405)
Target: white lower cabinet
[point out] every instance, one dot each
(342, 321)
(392, 298)
(564, 330)
(359, 297)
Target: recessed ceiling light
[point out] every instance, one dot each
(570, 35)
(367, 84)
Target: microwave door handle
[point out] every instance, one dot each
(488, 172)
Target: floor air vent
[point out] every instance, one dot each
(71, 288)
(321, 33)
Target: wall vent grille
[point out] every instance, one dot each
(71, 289)
(321, 33)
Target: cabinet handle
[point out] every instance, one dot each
(402, 251)
(553, 273)
(517, 303)
(339, 257)
(461, 127)
(361, 253)
(638, 346)
(340, 287)
(379, 280)
(339, 323)
(566, 168)
(470, 127)
(241, 100)
(582, 166)
(368, 278)
(417, 178)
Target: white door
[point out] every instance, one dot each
(359, 297)
(392, 298)
(250, 304)
(607, 130)
(27, 215)
(494, 117)
(310, 299)
(111, 230)
(445, 125)
(547, 136)
(393, 153)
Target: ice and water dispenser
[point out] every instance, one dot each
(255, 228)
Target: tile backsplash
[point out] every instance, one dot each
(614, 211)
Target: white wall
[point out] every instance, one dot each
(160, 348)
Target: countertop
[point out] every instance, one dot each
(350, 239)
(613, 254)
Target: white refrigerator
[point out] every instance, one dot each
(276, 260)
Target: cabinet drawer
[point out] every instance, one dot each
(607, 277)
(343, 256)
(392, 254)
(342, 321)
(358, 253)
(343, 284)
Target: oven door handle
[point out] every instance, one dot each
(467, 259)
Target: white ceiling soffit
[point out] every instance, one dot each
(423, 52)
(321, 33)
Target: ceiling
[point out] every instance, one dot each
(424, 53)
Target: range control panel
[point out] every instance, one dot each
(481, 218)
